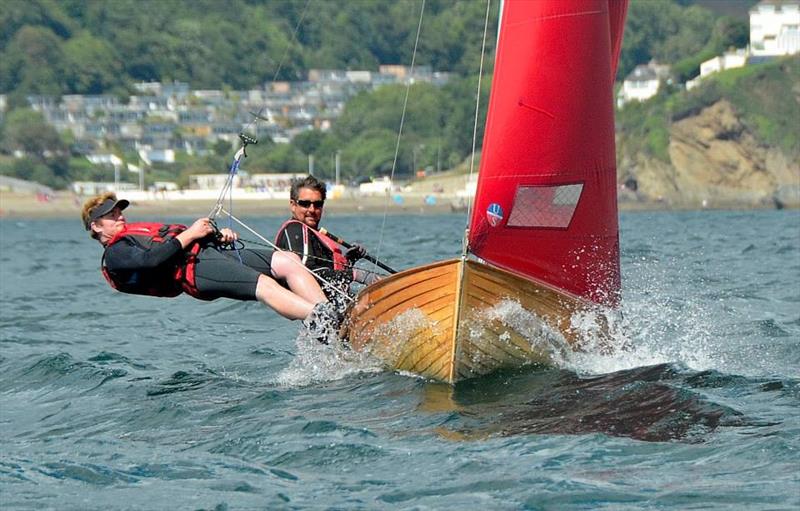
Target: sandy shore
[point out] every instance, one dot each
(16, 205)
(67, 205)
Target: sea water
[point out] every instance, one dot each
(109, 401)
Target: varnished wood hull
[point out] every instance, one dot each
(457, 319)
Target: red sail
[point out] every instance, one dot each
(546, 202)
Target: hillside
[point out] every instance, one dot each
(733, 141)
(80, 47)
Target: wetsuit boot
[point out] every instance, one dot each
(323, 322)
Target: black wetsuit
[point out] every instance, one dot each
(314, 254)
(218, 273)
(319, 257)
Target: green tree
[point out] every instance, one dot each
(93, 66)
(309, 142)
(33, 62)
(27, 131)
(49, 14)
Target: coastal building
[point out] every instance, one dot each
(729, 60)
(775, 28)
(162, 120)
(642, 83)
(381, 186)
(211, 181)
(774, 32)
(278, 185)
(150, 155)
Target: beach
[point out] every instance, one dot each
(65, 205)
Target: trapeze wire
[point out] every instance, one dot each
(275, 247)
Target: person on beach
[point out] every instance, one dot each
(167, 259)
(300, 235)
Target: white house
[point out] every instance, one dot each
(729, 60)
(642, 83)
(150, 155)
(775, 28)
(380, 186)
(274, 183)
(105, 159)
(211, 181)
(774, 31)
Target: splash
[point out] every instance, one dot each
(400, 330)
(316, 362)
(645, 332)
(546, 344)
(651, 328)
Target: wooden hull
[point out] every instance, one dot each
(458, 319)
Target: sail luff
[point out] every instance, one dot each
(545, 205)
(617, 9)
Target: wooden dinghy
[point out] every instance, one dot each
(440, 321)
(544, 224)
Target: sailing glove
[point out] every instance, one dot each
(355, 253)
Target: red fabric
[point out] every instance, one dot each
(617, 10)
(339, 260)
(551, 123)
(188, 279)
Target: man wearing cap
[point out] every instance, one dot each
(167, 259)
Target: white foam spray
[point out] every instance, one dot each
(315, 362)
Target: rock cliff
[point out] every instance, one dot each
(715, 161)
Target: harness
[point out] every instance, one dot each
(339, 260)
(147, 235)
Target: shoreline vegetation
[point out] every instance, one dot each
(68, 205)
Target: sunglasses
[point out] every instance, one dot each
(307, 203)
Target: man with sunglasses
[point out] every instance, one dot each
(300, 234)
(166, 260)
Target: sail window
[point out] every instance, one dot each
(545, 206)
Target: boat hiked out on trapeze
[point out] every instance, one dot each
(543, 238)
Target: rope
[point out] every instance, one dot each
(246, 241)
(400, 131)
(227, 187)
(283, 58)
(475, 125)
(278, 249)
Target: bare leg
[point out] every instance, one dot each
(280, 299)
(286, 265)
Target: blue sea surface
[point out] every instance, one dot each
(112, 401)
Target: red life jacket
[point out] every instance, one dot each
(148, 234)
(339, 260)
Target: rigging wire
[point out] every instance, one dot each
(227, 187)
(300, 20)
(278, 249)
(475, 125)
(400, 130)
(243, 242)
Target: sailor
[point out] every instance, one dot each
(167, 259)
(300, 234)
